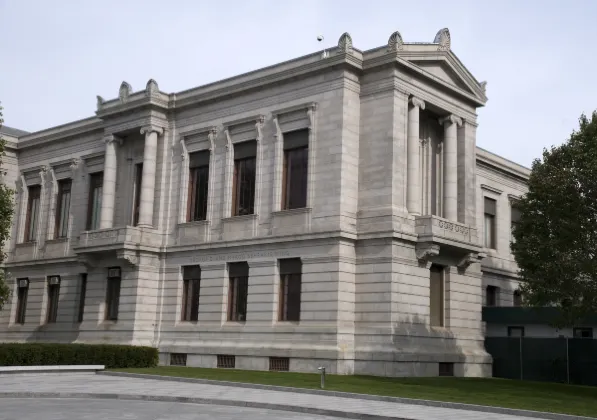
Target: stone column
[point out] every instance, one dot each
(149, 171)
(413, 189)
(109, 185)
(450, 123)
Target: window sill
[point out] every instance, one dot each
(292, 211)
(57, 240)
(239, 218)
(194, 223)
(25, 244)
(235, 323)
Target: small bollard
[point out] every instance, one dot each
(322, 370)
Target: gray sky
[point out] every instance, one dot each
(537, 55)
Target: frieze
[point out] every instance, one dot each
(240, 256)
(453, 227)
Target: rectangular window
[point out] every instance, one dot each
(137, 192)
(32, 219)
(436, 296)
(492, 295)
(583, 332)
(113, 294)
(53, 297)
(295, 171)
(62, 208)
(243, 190)
(290, 289)
(191, 276)
(22, 292)
(515, 331)
(237, 291)
(198, 186)
(517, 298)
(82, 293)
(514, 216)
(490, 212)
(94, 206)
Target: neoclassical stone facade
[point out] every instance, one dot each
(332, 210)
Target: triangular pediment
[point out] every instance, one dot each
(449, 70)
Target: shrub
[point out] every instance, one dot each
(112, 356)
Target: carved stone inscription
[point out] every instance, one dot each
(453, 227)
(103, 235)
(240, 256)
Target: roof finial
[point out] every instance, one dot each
(345, 43)
(443, 39)
(395, 43)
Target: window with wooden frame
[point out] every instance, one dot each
(295, 170)
(33, 209)
(191, 283)
(53, 298)
(489, 220)
(436, 296)
(22, 293)
(243, 186)
(238, 291)
(137, 192)
(62, 208)
(198, 186)
(82, 294)
(113, 294)
(290, 289)
(94, 205)
(492, 295)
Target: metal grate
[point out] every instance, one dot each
(226, 361)
(178, 359)
(446, 369)
(279, 364)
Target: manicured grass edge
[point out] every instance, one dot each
(350, 395)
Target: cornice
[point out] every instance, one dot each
(61, 132)
(501, 164)
(491, 189)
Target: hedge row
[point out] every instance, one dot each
(112, 356)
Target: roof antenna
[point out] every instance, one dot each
(324, 54)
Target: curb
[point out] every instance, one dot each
(205, 401)
(399, 400)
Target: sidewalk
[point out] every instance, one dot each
(103, 386)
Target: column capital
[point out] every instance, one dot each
(111, 138)
(452, 119)
(417, 102)
(147, 129)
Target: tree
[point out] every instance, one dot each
(555, 240)
(6, 212)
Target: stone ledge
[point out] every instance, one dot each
(429, 403)
(50, 369)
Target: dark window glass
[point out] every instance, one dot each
(190, 293)
(94, 206)
(517, 298)
(491, 298)
(290, 289)
(62, 208)
(112, 298)
(489, 220)
(32, 219)
(198, 186)
(22, 302)
(53, 298)
(137, 193)
(515, 331)
(583, 332)
(243, 191)
(238, 291)
(82, 293)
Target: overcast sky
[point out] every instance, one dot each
(538, 56)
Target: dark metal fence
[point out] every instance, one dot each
(566, 360)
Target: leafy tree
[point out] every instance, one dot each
(6, 212)
(555, 241)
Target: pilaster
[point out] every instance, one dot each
(451, 124)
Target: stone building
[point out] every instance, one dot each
(332, 210)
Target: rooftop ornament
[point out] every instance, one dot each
(443, 39)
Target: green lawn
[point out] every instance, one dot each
(538, 396)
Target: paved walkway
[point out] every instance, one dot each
(73, 385)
